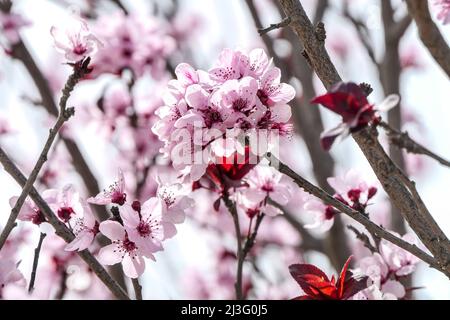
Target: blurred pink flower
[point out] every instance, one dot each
(77, 42)
(10, 24)
(66, 203)
(266, 182)
(85, 228)
(9, 274)
(444, 13)
(114, 194)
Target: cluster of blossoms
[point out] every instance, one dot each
(135, 42)
(206, 112)
(444, 13)
(136, 230)
(351, 189)
(385, 269)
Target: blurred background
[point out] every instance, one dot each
(196, 262)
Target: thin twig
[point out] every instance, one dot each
(250, 242)
(402, 140)
(239, 249)
(137, 288)
(37, 252)
(364, 238)
(357, 216)
(61, 229)
(79, 71)
(284, 23)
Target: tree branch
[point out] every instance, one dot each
(402, 140)
(390, 176)
(429, 33)
(61, 229)
(80, 70)
(37, 252)
(356, 215)
(137, 288)
(239, 250)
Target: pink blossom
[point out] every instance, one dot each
(77, 42)
(386, 268)
(85, 228)
(400, 262)
(30, 211)
(114, 194)
(352, 189)
(174, 201)
(145, 226)
(10, 24)
(444, 13)
(266, 182)
(322, 215)
(122, 250)
(66, 203)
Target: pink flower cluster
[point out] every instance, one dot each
(139, 43)
(240, 94)
(139, 229)
(385, 268)
(444, 13)
(137, 232)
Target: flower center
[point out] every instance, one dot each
(239, 104)
(65, 213)
(143, 229)
(38, 218)
(128, 245)
(267, 187)
(119, 198)
(79, 49)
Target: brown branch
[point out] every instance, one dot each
(80, 70)
(284, 23)
(364, 238)
(390, 176)
(250, 242)
(239, 249)
(20, 52)
(429, 33)
(60, 228)
(373, 228)
(37, 252)
(363, 35)
(137, 288)
(402, 140)
(308, 241)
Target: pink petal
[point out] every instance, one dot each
(133, 267)
(109, 255)
(112, 229)
(82, 241)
